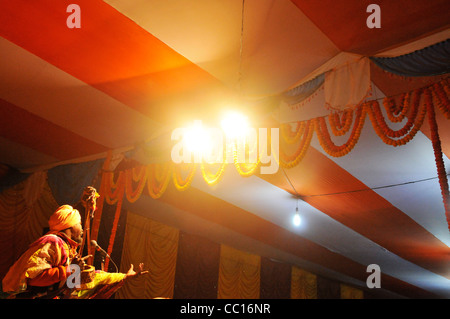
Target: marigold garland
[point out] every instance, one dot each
(135, 174)
(325, 139)
(133, 181)
(181, 184)
(396, 113)
(212, 179)
(436, 141)
(408, 131)
(289, 161)
(292, 137)
(441, 99)
(114, 190)
(340, 122)
(244, 169)
(158, 179)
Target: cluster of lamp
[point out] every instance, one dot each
(234, 126)
(196, 138)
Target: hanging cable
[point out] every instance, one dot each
(373, 188)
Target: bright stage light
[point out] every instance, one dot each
(235, 125)
(197, 139)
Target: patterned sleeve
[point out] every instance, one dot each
(46, 265)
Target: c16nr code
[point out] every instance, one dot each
(247, 308)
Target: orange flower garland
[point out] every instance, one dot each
(294, 159)
(407, 132)
(340, 122)
(135, 174)
(325, 139)
(158, 179)
(436, 141)
(292, 137)
(114, 190)
(409, 105)
(440, 96)
(396, 113)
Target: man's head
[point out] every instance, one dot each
(68, 220)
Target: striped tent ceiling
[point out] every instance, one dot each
(137, 69)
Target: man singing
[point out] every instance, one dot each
(41, 272)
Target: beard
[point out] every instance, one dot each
(78, 238)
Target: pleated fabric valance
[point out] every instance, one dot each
(432, 60)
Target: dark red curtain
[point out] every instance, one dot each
(328, 289)
(197, 269)
(275, 279)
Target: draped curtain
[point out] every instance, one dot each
(275, 279)
(303, 284)
(155, 245)
(328, 289)
(197, 269)
(24, 212)
(348, 292)
(432, 60)
(239, 274)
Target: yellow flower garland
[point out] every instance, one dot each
(211, 179)
(292, 137)
(292, 160)
(181, 184)
(157, 176)
(135, 174)
(114, 190)
(158, 179)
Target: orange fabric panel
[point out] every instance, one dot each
(400, 21)
(39, 134)
(109, 52)
(365, 212)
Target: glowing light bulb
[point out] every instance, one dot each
(197, 139)
(297, 219)
(235, 125)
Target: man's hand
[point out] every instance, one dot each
(132, 273)
(80, 261)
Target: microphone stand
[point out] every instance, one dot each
(104, 255)
(103, 263)
(89, 201)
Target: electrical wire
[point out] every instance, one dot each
(374, 188)
(358, 190)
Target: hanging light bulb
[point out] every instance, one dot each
(296, 220)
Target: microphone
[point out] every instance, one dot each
(100, 249)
